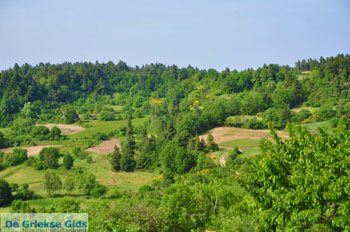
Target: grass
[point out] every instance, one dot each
(245, 117)
(215, 156)
(116, 108)
(241, 143)
(314, 125)
(104, 127)
(250, 152)
(309, 108)
(303, 76)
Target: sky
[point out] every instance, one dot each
(237, 34)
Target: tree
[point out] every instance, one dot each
(212, 146)
(19, 206)
(52, 182)
(40, 132)
(114, 159)
(16, 157)
(24, 193)
(3, 141)
(127, 162)
(49, 157)
(5, 192)
(68, 161)
(106, 115)
(70, 115)
(55, 134)
(90, 186)
(302, 184)
(69, 184)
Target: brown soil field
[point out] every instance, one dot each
(31, 151)
(66, 129)
(225, 134)
(105, 147)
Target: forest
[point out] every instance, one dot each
(163, 148)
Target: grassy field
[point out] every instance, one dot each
(105, 127)
(250, 152)
(314, 125)
(309, 108)
(241, 143)
(245, 117)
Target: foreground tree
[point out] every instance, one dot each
(303, 184)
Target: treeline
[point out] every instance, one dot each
(38, 91)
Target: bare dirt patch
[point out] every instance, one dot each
(66, 129)
(225, 134)
(31, 151)
(105, 147)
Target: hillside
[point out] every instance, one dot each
(141, 148)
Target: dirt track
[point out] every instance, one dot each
(66, 129)
(105, 147)
(31, 151)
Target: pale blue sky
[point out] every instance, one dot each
(202, 33)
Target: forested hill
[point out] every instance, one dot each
(47, 87)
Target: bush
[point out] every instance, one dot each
(301, 115)
(55, 134)
(90, 186)
(40, 132)
(106, 116)
(325, 112)
(24, 193)
(16, 157)
(19, 206)
(114, 193)
(100, 136)
(79, 153)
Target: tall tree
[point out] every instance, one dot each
(127, 162)
(5, 192)
(114, 159)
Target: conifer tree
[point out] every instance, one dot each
(127, 162)
(114, 159)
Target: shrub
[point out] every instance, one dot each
(19, 206)
(40, 132)
(16, 157)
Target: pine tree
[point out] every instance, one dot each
(114, 159)
(127, 162)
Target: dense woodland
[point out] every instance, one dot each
(301, 184)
